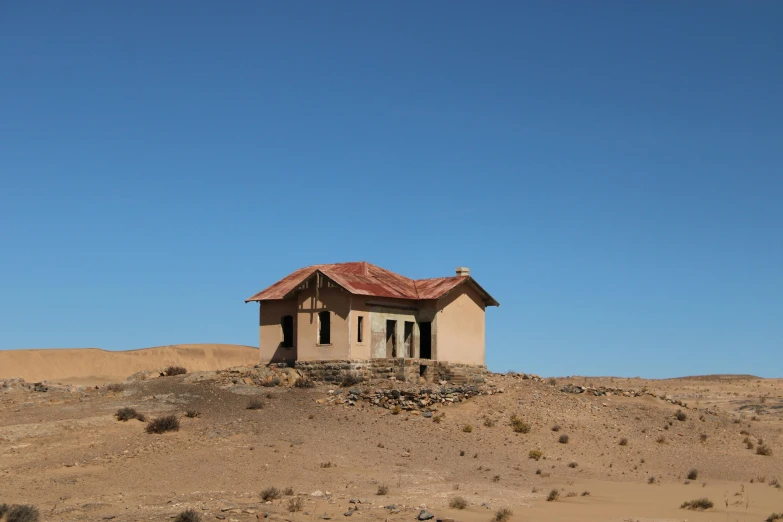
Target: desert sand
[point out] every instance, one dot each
(64, 451)
(96, 366)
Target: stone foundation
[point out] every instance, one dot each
(405, 370)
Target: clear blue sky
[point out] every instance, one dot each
(612, 172)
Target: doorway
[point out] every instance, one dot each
(425, 340)
(391, 339)
(287, 324)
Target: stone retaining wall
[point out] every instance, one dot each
(406, 370)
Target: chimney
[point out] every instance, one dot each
(463, 271)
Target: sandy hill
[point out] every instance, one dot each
(96, 366)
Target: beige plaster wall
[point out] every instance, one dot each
(461, 327)
(338, 303)
(271, 332)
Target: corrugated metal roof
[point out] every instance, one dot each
(362, 278)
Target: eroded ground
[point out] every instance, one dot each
(66, 453)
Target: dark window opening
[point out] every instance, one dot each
(287, 324)
(425, 340)
(422, 370)
(408, 336)
(360, 331)
(391, 339)
(324, 328)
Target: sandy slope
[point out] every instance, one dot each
(96, 366)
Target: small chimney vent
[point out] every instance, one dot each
(463, 271)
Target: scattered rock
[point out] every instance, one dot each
(425, 515)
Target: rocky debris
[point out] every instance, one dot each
(425, 515)
(603, 391)
(415, 400)
(266, 376)
(42, 387)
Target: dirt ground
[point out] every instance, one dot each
(65, 452)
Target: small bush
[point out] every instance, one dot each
(461, 453)
(585, 493)
(680, 415)
(496, 478)
(623, 442)
(467, 428)
(693, 474)
(19, 513)
(115, 387)
(763, 449)
(192, 414)
(304, 382)
(518, 425)
(326, 464)
(383, 489)
(270, 493)
(553, 495)
(489, 422)
(189, 515)
(255, 404)
(126, 414)
(651, 480)
(458, 503)
(396, 410)
(295, 504)
(163, 424)
(535, 455)
(288, 491)
(271, 383)
(174, 370)
(503, 514)
(437, 419)
(572, 464)
(699, 504)
(350, 380)
(774, 517)
(563, 439)
(703, 437)
(556, 427)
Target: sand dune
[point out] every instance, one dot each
(96, 366)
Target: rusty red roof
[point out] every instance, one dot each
(362, 278)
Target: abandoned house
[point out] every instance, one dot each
(361, 312)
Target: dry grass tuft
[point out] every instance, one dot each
(623, 442)
(458, 503)
(467, 428)
(174, 370)
(255, 404)
(189, 515)
(699, 504)
(535, 455)
(503, 514)
(563, 439)
(518, 425)
(763, 449)
(383, 489)
(270, 493)
(553, 495)
(163, 424)
(693, 474)
(295, 504)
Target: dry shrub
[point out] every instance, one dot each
(680, 415)
(115, 387)
(763, 449)
(489, 422)
(535, 455)
(288, 491)
(192, 414)
(518, 425)
(553, 495)
(556, 427)
(699, 504)
(271, 383)
(623, 442)
(693, 474)
(503, 514)
(326, 464)
(651, 480)
(270, 493)
(437, 419)
(774, 517)
(563, 439)
(585, 493)
(189, 515)
(304, 382)
(174, 370)
(572, 464)
(295, 504)
(349, 380)
(19, 513)
(458, 503)
(703, 437)
(396, 410)
(467, 428)
(255, 404)
(126, 414)
(383, 489)
(163, 424)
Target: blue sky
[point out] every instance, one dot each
(611, 172)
